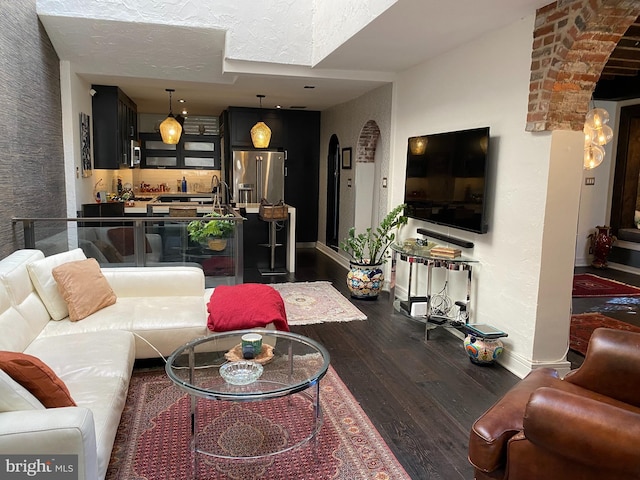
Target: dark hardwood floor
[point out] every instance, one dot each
(422, 397)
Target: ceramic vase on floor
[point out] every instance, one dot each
(365, 281)
(601, 244)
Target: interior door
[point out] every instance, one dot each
(333, 193)
(626, 196)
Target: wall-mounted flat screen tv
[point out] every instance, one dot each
(446, 179)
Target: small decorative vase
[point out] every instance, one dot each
(601, 244)
(483, 351)
(365, 281)
(216, 244)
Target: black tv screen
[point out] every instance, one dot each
(446, 178)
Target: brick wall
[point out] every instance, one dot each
(572, 41)
(31, 156)
(367, 142)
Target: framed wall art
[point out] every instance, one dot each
(346, 158)
(85, 144)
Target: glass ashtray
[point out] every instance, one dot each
(241, 373)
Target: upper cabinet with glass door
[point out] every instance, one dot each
(193, 151)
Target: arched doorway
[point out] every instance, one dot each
(333, 193)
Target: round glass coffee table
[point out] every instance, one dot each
(278, 412)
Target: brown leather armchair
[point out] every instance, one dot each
(583, 427)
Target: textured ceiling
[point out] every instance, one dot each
(145, 57)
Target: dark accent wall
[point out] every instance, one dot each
(31, 155)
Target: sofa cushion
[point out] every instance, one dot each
(37, 378)
(83, 287)
(248, 305)
(14, 397)
(40, 272)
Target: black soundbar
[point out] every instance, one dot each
(445, 238)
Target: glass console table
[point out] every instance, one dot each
(435, 309)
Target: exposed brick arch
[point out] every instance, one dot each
(367, 142)
(572, 42)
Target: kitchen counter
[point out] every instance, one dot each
(140, 209)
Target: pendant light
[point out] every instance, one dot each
(596, 134)
(260, 133)
(170, 128)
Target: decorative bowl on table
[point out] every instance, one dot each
(243, 372)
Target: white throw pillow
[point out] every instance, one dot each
(14, 397)
(45, 284)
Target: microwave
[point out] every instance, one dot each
(135, 155)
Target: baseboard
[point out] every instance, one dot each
(332, 254)
(521, 366)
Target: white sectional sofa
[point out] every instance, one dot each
(157, 310)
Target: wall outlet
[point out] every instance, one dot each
(590, 180)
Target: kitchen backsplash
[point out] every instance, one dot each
(197, 180)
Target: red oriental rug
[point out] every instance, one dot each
(583, 325)
(153, 439)
(588, 285)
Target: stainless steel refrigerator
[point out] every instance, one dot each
(257, 174)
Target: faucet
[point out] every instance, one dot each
(215, 191)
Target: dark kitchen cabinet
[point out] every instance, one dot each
(301, 186)
(192, 151)
(115, 125)
(297, 132)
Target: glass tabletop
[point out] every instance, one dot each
(290, 363)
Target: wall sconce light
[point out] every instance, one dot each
(596, 134)
(260, 132)
(170, 128)
(418, 145)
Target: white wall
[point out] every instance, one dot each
(76, 99)
(486, 83)
(346, 122)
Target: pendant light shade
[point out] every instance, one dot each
(170, 128)
(593, 156)
(260, 132)
(596, 134)
(260, 135)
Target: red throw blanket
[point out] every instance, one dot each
(249, 305)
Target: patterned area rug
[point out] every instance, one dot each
(154, 434)
(316, 302)
(588, 285)
(583, 325)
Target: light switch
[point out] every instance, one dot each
(590, 180)
(349, 182)
(384, 182)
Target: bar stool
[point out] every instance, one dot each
(272, 270)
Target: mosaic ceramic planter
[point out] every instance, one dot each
(483, 351)
(365, 281)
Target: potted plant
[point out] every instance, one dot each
(369, 251)
(211, 232)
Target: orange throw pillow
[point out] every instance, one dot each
(83, 287)
(38, 378)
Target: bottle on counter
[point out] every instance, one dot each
(184, 184)
(178, 186)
